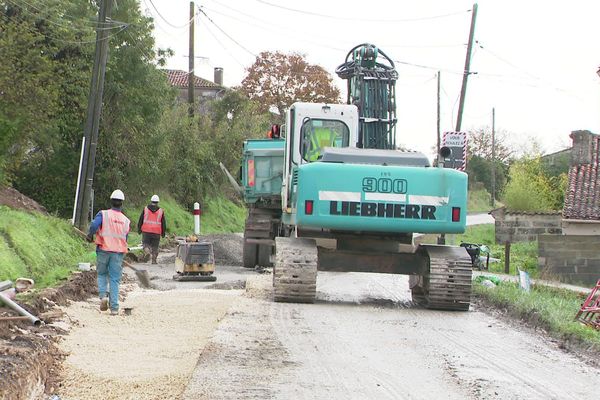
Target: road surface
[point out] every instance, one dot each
(363, 339)
(480, 219)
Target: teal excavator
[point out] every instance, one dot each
(335, 194)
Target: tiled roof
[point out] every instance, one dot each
(504, 210)
(179, 78)
(582, 200)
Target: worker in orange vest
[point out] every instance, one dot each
(152, 225)
(111, 228)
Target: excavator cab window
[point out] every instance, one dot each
(316, 134)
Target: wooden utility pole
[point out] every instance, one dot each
(94, 109)
(493, 157)
(439, 133)
(467, 70)
(191, 62)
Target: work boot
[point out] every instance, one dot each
(146, 255)
(104, 304)
(154, 256)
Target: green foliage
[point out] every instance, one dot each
(554, 309)
(530, 189)
(479, 170)
(41, 247)
(479, 200)
(219, 215)
(223, 215)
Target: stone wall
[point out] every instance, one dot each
(524, 227)
(572, 258)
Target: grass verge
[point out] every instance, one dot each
(37, 246)
(219, 215)
(552, 309)
(523, 256)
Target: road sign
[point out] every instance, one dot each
(457, 142)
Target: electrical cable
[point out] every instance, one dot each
(166, 20)
(286, 29)
(221, 44)
(91, 22)
(69, 27)
(267, 27)
(314, 14)
(79, 42)
(225, 33)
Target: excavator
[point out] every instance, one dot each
(344, 180)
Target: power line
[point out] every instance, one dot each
(166, 20)
(225, 33)
(70, 27)
(314, 14)
(45, 35)
(221, 44)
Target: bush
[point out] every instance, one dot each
(530, 189)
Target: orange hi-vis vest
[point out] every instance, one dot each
(152, 221)
(112, 235)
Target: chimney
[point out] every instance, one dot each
(581, 153)
(219, 76)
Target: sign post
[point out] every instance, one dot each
(457, 143)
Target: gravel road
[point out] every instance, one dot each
(363, 339)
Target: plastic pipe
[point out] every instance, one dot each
(197, 214)
(14, 306)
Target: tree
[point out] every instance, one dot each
(530, 189)
(479, 157)
(480, 144)
(276, 80)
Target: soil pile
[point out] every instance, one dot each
(29, 357)
(14, 199)
(227, 248)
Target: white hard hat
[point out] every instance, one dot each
(155, 199)
(117, 195)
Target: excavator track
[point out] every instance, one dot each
(295, 270)
(447, 284)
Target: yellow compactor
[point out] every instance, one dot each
(195, 260)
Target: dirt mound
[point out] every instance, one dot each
(29, 357)
(227, 248)
(14, 199)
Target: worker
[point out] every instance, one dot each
(317, 140)
(111, 228)
(152, 225)
(274, 132)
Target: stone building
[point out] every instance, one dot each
(204, 90)
(574, 256)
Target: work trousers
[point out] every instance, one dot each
(109, 267)
(150, 241)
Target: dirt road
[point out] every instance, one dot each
(364, 340)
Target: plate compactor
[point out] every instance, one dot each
(195, 261)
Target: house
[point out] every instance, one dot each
(574, 256)
(581, 213)
(204, 90)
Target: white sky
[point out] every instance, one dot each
(537, 66)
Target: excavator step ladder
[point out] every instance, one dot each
(589, 314)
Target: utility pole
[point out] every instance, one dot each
(467, 71)
(88, 158)
(493, 156)
(439, 133)
(442, 238)
(191, 63)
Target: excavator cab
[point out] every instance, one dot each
(317, 134)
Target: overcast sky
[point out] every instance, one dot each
(536, 61)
